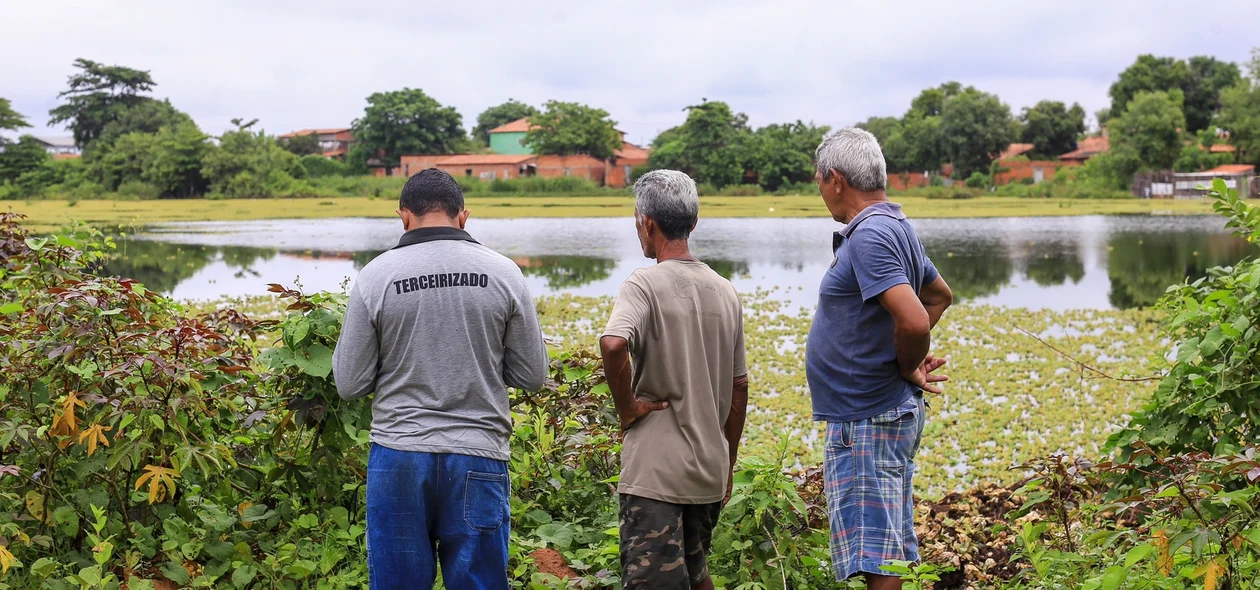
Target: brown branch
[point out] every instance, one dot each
(1086, 366)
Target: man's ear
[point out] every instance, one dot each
(841, 183)
(462, 218)
(649, 226)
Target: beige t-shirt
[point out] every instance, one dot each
(685, 327)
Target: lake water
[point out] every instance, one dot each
(1054, 263)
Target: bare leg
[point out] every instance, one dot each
(705, 584)
(874, 582)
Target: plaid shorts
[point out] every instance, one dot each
(868, 467)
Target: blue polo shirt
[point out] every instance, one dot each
(850, 359)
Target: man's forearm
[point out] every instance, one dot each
(618, 373)
(935, 311)
(912, 348)
(734, 428)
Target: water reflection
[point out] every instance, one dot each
(1090, 262)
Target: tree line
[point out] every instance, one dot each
(1164, 113)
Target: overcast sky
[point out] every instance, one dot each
(311, 63)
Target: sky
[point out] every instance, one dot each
(312, 63)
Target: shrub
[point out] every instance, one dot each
(741, 190)
(1210, 399)
(317, 166)
(955, 192)
(139, 190)
(979, 180)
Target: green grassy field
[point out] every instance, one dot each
(44, 215)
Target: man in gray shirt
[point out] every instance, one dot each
(438, 328)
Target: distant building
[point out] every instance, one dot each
(334, 142)
(1222, 148)
(1166, 184)
(1011, 169)
(1087, 148)
(512, 158)
(61, 148)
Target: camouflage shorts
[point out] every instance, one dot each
(663, 545)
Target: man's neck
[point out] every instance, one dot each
(674, 250)
(860, 202)
(437, 219)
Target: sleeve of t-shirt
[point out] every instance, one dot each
(630, 314)
(876, 264)
(929, 271)
(741, 366)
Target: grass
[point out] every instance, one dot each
(1010, 398)
(45, 215)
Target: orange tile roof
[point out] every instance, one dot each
(629, 151)
(1016, 149)
(1234, 169)
(518, 126)
(482, 159)
(334, 153)
(329, 131)
(1088, 147)
(1222, 148)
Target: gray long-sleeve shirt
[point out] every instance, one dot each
(438, 328)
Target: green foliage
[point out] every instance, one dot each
(317, 166)
(1052, 128)
(570, 128)
(499, 115)
(403, 122)
(781, 155)
(975, 128)
(302, 145)
(1240, 114)
(709, 145)
(23, 157)
(1200, 82)
(145, 117)
(9, 118)
(1208, 401)
(1195, 158)
(1147, 136)
(97, 96)
(169, 160)
(979, 179)
(250, 164)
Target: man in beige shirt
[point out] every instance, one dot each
(682, 404)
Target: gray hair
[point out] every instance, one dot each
(669, 197)
(854, 153)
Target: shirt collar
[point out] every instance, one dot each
(886, 208)
(422, 235)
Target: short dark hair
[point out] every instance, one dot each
(432, 190)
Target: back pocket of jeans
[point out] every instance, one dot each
(485, 500)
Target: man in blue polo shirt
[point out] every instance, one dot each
(868, 360)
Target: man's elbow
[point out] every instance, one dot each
(914, 328)
(353, 391)
(611, 345)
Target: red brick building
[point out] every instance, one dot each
(335, 142)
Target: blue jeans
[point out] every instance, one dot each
(423, 508)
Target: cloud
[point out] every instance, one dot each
(297, 64)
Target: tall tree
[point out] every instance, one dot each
(891, 135)
(710, 145)
(498, 115)
(1200, 81)
(1240, 114)
(1147, 136)
(407, 121)
(1051, 127)
(10, 119)
(169, 160)
(975, 128)
(931, 102)
(98, 95)
(569, 128)
(1208, 77)
(782, 154)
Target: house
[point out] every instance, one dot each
(1011, 169)
(1222, 148)
(1166, 184)
(1087, 148)
(61, 148)
(512, 158)
(335, 142)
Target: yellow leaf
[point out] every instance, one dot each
(240, 509)
(6, 559)
(92, 435)
(1211, 572)
(35, 505)
(161, 482)
(1164, 558)
(66, 423)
